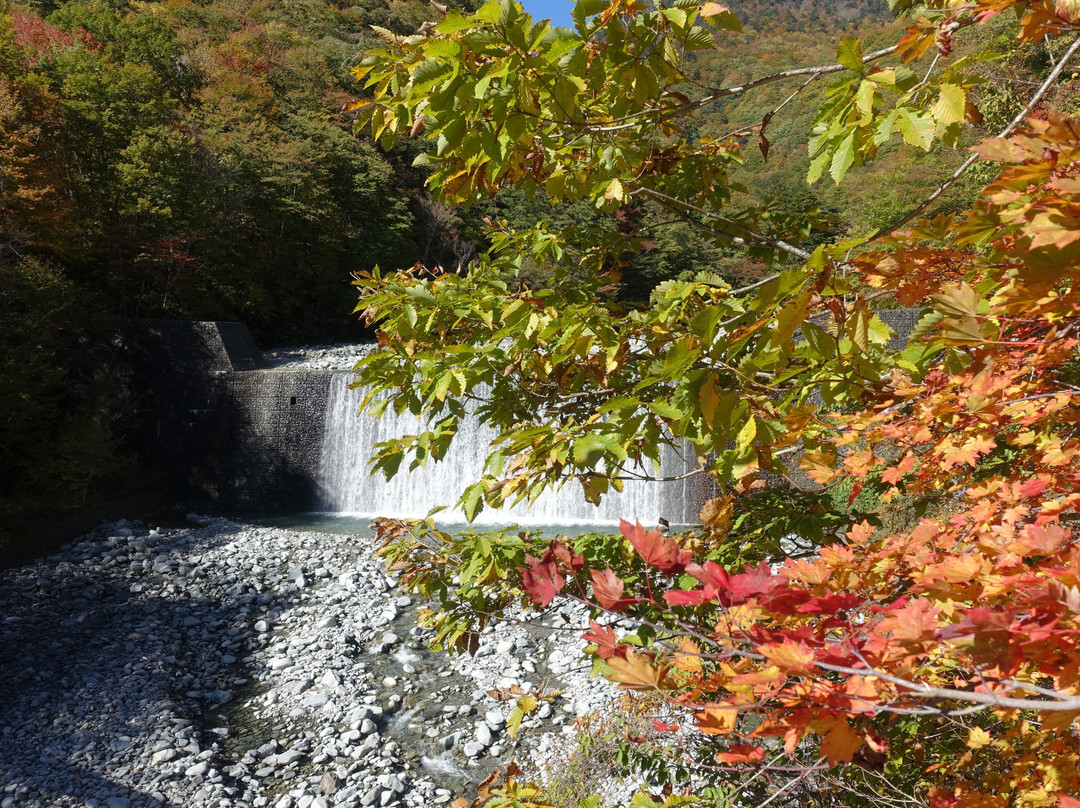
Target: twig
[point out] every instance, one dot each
(970, 161)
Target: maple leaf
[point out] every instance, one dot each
(1056, 721)
(770, 675)
(978, 738)
(754, 581)
(608, 590)
(742, 753)
(691, 597)
(688, 657)
(794, 658)
(655, 550)
(1038, 540)
(858, 464)
(819, 466)
(541, 581)
(607, 644)
(711, 574)
(899, 471)
(717, 719)
(563, 557)
(840, 741)
(914, 621)
(635, 671)
(830, 604)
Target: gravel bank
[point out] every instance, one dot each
(232, 665)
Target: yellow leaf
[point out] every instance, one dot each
(709, 399)
(614, 192)
(818, 466)
(688, 657)
(978, 738)
(718, 719)
(717, 513)
(635, 672)
(713, 10)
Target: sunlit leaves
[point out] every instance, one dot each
(959, 589)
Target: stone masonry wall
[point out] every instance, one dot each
(223, 432)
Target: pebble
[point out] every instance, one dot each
(230, 666)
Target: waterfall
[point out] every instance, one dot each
(346, 486)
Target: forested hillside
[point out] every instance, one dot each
(191, 159)
(176, 159)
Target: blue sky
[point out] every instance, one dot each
(557, 10)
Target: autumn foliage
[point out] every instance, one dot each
(929, 651)
(974, 615)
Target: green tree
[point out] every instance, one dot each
(818, 669)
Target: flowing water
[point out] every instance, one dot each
(347, 487)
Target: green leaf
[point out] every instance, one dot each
(583, 9)
(916, 129)
(509, 11)
(949, 107)
(789, 319)
(489, 12)
(820, 341)
(665, 410)
(453, 22)
(817, 167)
(426, 74)
(589, 450)
(706, 322)
(746, 434)
(849, 54)
(472, 501)
(843, 158)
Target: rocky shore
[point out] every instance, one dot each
(232, 665)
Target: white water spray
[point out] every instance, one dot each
(346, 486)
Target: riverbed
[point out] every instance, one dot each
(237, 665)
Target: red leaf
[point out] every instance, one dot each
(855, 491)
(660, 726)
(830, 604)
(541, 581)
(563, 557)
(605, 639)
(755, 581)
(711, 574)
(608, 591)
(742, 753)
(690, 597)
(654, 549)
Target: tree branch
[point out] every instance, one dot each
(970, 161)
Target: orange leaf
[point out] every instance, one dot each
(792, 657)
(718, 719)
(840, 742)
(742, 753)
(635, 672)
(858, 463)
(688, 657)
(1056, 721)
(818, 466)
